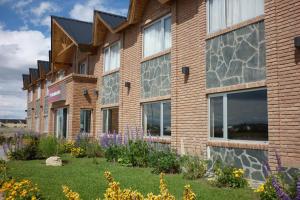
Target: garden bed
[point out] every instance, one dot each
(85, 177)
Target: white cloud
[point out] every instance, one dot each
(44, 8)
(22, 4)
(85, 11)
(19, 50)
(4, 1)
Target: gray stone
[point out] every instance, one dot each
(227, 54)
(258, 154)
(245, 51)
(257, 166)
(221, 71)
(253, 39)
(253, 62)
(213, 62)
(235, 68)
(54, 161)
(230, 81)
(212, 80)
(245, 161)
(262, 56)
(237, 162)
(251, 75)
(110, 89)
(257, 175)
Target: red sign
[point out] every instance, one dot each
(57, 93)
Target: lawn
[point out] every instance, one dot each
(86, 177)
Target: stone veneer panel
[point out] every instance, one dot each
(110, 89)
(250, 160)
(236, 57)
(156, 77)
(46, 106)
(29, 110)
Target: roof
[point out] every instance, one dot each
(34, 74)
(44, 66)
(26, 80)
(112, 20)
(79, 31)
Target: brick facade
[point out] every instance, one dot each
(275, 67)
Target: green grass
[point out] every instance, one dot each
(85, 177)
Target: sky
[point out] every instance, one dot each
(25, 38)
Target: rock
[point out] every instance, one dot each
(54, 161)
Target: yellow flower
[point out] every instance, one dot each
(260, 189)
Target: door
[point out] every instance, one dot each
(61, 122)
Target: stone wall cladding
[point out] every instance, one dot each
(156, 77)
(110, 89)
(37, 108)
(46, 106)
(251, 160)
(236, 57)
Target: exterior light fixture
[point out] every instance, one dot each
(96, 92)
(25, 110)
(85, 92)
(185, 70)
(297, 42)
(127, 84)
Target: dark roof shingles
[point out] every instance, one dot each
(111, 19)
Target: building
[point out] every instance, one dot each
(216, 78)
(12, 123)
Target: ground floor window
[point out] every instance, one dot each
(239, 115)
(85, 120)
(110, 120)
(46, 123)
(37, 124)
(61, 122)
(157, 118)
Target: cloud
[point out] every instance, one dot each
(21, 4)
(44, 8)
(19, 50)
(85, 11)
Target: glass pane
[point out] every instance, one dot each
(115, 56)
(167, 118)
(167, 34)
(106, 60)
(216, 117)
(87, 121)
(152, 39)
(216, 15)
(152, 118)
(82, 121)
(104, 126)
(248, 115)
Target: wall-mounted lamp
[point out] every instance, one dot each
(297, 42)
(127, 84)
(32, 108)
(25, 110)
(96, 92)
(185, 70)
(85, 92)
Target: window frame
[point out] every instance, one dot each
(118, 42)
(91, 111)
(86, 65)
(225, 121)
(162, 32)
(39, 91)
(48, 82)
(226, 15)
(161, 123)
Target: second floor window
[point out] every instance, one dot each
(38, 91)
(112, 57)
(83, 67)
(157, 36)
(60, 74)
(47, 87)
(225, 13)
(30, 96)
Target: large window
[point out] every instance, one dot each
(83, 67)
(110, 120)
(112, 57)
(157, 118)
(239, 116)
(38, 91)
(225, 13)
(85, 121)
(30, 96)
(157, 36)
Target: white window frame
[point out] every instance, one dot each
(226, 22)
(162, 32)
(111, 68)
(30, 96)
(225, 122)
(143, 116)
(48, 82)
(86, 109)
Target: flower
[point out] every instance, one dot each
(260, 189)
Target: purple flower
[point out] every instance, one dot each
(298, 190)
(279, 191)
(279, 164)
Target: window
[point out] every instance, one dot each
(47, 87)
(38, 91)
(157, 36)
(85, 121)
(225, 13)
(46, 123)
(83, 67)
(30, 96)
(110, 120)
(239, 116)
(157, 118)
(60, 74)
(112, 57)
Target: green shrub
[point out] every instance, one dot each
(228, 176)
(135, 154)
(114, 152)
(266, 190)
(27, 149)
(93, 149)
(49, 146)
(193, 167)
(165, 161)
